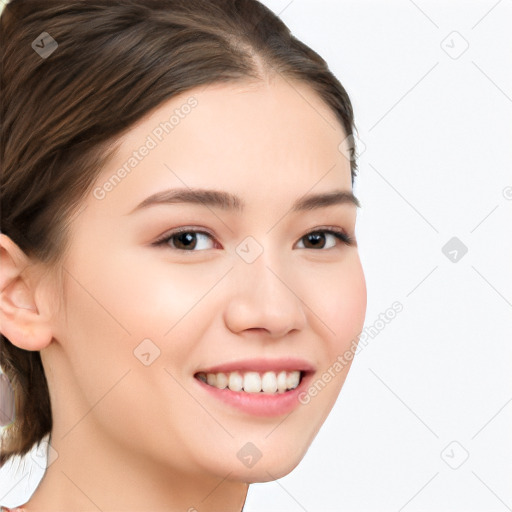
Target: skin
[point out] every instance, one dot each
(136, 437)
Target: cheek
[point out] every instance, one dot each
(352, 304)
(138, 307)
(338, 300)
(339, 312)
(103, 323)
(129, 294)
(94, 337)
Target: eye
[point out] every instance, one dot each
(317, 238)
(191, 240)
(186, 240)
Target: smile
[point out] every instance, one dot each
(258, 386)
(272, 382)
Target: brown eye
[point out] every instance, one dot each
(317, 239)
(314, 240)
(186, 240)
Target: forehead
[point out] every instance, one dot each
(251, 138)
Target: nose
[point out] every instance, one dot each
(263, 298)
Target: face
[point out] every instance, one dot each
(158, 295)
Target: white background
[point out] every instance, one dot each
(434, 386)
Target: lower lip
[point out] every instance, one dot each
(260, 404)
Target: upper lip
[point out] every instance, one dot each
(261, 365)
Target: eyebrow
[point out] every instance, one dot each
(227, 201)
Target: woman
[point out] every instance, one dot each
(181, 290)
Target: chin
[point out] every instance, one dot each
(268, 468)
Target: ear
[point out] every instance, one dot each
(20, 320)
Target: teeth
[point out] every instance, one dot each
(281, 382)
(253, 382)
(269, 382)
(235, 381)
(292, 380)
(222, 380)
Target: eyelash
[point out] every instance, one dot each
(338, 233)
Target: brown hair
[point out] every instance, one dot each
(61, 113)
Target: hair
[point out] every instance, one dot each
(61, 114)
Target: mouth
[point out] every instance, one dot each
(268, 382)
(257, 387)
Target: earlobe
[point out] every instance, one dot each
(20, 321)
